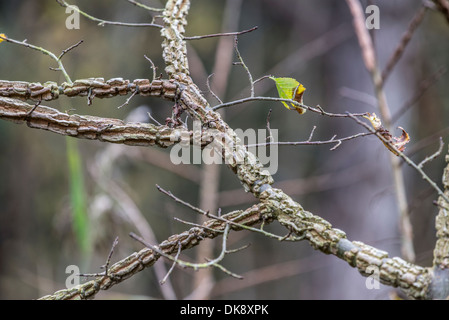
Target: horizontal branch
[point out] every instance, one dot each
(91, 87)
(224, 34)
(336, 142)
(90, 127)
(316, 109)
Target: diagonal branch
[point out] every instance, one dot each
(146, 257)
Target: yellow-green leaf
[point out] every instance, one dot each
(289, 88)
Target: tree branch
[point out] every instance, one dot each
(91, 87)
(90, 127)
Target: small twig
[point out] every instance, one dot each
(290, 232)
(196, 225)
(152, 66)
(34, 108)
(168, 193)
(242, 63)
(433, 156)
(90, 96)
(141, 5)
(336, 142)
(210, 89)
(262, 78)
(311, 134)
(416, 21)
(173, 265)
(154, 120)
(129, 99)
(69, 48)
(421, 144)
(239, 249)
(105, 266)
(102, 22)
(225, 34)
(209, 215)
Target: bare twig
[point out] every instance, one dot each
(102, 22)
(128, 99)
(108, 260)
(421, 144)
(196, 225)
(397, 54)
(168, 193)
(217, 217)
(223, 34)
(141, 5)
(433, 156)
(153, 67)
(153, 119)
(105, 266)
(309, 142)
(69, 48)
(173, 265)
(317, 109)
(242, 63)
(210, 89)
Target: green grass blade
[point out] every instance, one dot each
(77, 196)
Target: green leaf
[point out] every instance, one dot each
(289, 88)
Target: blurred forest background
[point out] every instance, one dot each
(312, 41)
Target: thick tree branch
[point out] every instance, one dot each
(174, 46)
(90, 127)
(146, 257)
(91, 87)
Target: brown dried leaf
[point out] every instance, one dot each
(393, 144)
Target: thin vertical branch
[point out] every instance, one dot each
(369, 58)
(414, 24)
